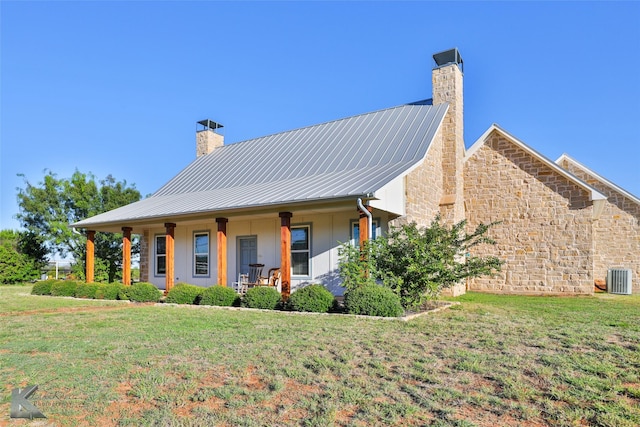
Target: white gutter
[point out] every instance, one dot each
(369, 215)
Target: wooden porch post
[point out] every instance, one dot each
(126, 255)
(363, 225)
(89, 273)
(222, 250)
(170, 256)
(285, 252)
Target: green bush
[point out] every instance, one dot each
(373, 300)
(43, 287)
(110, 291)
(184, 293)
(314, 298)
(219, 295)
(419, 262)
(15, 267)
(86, 290)
(64, 288)
(141, 292)
(266, 297)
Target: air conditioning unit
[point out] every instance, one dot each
(619, 281)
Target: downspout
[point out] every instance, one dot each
(369, 218)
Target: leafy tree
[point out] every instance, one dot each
(419, 262)
(15, 266)
(48, 208)
(355, 269)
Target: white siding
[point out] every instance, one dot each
(327, 232)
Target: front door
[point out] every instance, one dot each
(247, 253)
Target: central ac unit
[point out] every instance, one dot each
(619, 281)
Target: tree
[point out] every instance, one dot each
(15, 266)
(48, 209)
(418, 263)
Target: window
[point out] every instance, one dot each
(300, 250)
(161, 255)
(201, 254)
(355, 231)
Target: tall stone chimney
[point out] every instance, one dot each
(207, 138)
(447, 87)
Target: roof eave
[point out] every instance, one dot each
(115, 225)
(599, 177)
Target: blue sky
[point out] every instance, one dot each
(117, 87)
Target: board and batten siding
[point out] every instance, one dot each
(327, 232)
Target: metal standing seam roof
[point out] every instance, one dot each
(353, 156)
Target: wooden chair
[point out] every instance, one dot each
(250, 279)
(275, 278)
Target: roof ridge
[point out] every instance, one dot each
(423, 103)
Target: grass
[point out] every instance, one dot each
(493, 360)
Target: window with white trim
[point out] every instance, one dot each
(300, 250)
(355, 231)
(201, 253)
(160, 253)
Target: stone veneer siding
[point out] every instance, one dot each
(616, 232)
(545, 234)
(447, 82)
(423, 188)
(207, 141)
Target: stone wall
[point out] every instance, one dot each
(447, 84)
(423, 187)
(616, 230)
(545, 234)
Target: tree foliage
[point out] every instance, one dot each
(15, 265)
(48, 208)
(419, 262)
(353, 266)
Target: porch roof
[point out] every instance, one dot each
(351, 157)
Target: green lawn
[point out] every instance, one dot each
(491, 361)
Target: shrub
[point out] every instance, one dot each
(141, 292)
(265, 297)
(219, 295)
(43, 287)
(373, 300)
(15, 267)
(184, 293)
(418, 262)
(64, 288)
(314, 298)
(111, 291)
(354, 269)
(86, 290)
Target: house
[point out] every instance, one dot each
(348, 179)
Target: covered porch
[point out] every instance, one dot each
(301, 243)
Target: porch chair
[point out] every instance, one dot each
(251, 279)
(275, 278)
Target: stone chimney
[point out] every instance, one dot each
(207, 137)
(447, 87)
